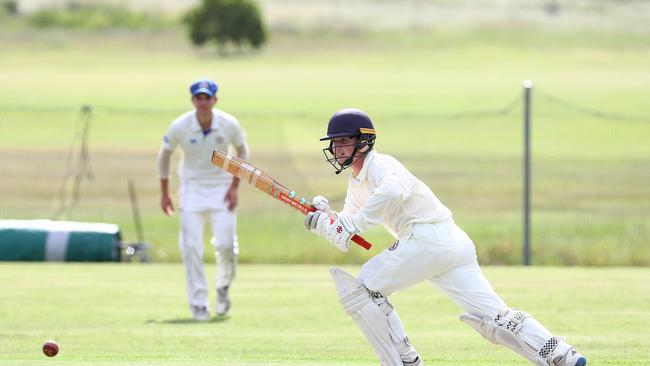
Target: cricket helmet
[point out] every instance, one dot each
(349, 122)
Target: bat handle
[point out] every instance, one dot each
(356, 239)
(361, 242)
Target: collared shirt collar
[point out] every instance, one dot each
(196, 126)
(366, 163)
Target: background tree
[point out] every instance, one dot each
(238, 22)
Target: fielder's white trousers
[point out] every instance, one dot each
(443, 254)
(197, 200)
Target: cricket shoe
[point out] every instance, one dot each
(416, 362)
(200, 313)
(572, 358)
(223, 301)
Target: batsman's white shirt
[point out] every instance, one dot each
(385, 192)
(197, 146)
(430, 245)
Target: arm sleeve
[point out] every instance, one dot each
(350, 207)
(242, 151)
(389, 189)
(238, 136)
(164, 158)
(171, 139)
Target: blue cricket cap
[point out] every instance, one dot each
(205, 86)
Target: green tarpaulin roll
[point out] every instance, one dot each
(47, 240)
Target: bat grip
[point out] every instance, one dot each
(356, 239)
(361, 242)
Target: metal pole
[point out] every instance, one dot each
(135, 210)
(528, 85)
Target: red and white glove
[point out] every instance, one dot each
(317, 222)
(321, 203)
(341, 231)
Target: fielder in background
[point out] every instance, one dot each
(429, 246)
(204, 190)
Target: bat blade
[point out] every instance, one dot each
(247, 172)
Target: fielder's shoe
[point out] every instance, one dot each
(223, 301)
(572, 358)
(200, 313)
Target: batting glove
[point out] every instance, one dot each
(341, 231)
(317, 222)
(321, 203)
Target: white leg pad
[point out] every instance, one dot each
(407, 352)
(504, 330)
(554, 350)
(369, 316)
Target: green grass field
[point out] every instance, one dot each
(132, 315)
(436, 98)
(591, 188)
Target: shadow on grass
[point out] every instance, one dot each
(216, 319)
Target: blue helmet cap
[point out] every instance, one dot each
(204, 86)
(348, 122)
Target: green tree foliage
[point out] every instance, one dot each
(95, 16)
(237, 22)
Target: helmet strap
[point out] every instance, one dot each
(349, 161)
(361, 146)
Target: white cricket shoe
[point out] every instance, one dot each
(200, 313)
(417, 362)
(572, 358)
(223, 301)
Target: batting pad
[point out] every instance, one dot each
(357, 303)
(518, 331)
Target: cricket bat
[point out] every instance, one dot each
(245, 171)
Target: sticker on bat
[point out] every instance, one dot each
(286, 199)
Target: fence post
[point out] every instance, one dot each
(528, 85)
(78, 166)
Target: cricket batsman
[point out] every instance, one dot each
(429, 246)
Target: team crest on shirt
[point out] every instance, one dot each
(193, 141)
(394, 246)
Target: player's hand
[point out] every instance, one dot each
(167, 205)
(321, 203)
(341, 231)
(231, 197)
(317, 222)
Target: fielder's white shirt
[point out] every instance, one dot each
(385, 192)
(197, 146)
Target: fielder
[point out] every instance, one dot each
(204, 190)
(429, 246)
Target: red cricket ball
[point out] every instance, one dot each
(50, 348)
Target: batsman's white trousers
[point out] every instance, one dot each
(197, 200)
(441, 253)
